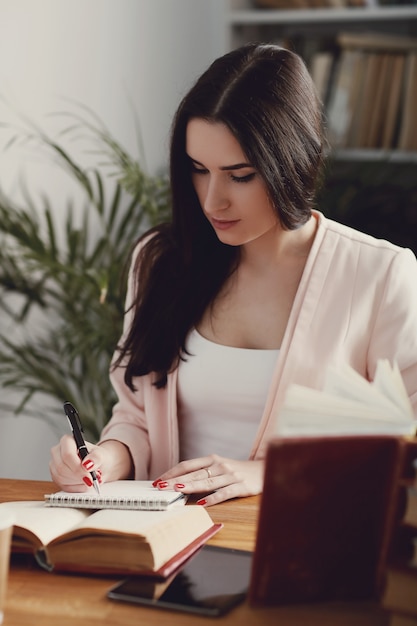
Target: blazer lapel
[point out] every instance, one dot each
(296, 337)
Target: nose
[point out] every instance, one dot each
(216, 197)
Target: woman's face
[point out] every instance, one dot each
(232, 194)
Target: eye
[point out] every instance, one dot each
(198, 170)
(243, 179)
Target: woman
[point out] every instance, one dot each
(247, 291)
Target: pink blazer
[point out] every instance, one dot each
(356, 303)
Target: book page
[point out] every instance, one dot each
(389, 382)
(309, 412)
(347, 383)
(120, 494)
(349, 404)
(44, 523)
(141, 523)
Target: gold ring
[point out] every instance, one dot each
(208, 472)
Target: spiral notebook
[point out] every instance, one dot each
(134, 495)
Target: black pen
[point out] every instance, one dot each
(77, 429)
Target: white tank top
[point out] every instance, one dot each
(221, 397)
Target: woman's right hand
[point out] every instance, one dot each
(110, 460)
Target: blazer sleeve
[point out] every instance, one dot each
(128, 423)
(394, 335)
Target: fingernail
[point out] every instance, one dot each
(203, 501)
(88, 481)
(88, 465)
(179, 486)
(99, 478)
(162, 484)
(155, 482)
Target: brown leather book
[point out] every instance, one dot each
(408, 130)
(328, 513)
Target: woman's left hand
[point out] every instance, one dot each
(220, 478)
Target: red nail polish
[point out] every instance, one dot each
(88, 481)
(162, 484)
(203, 501)
(88, 465)
(179, 486)
(155, 482)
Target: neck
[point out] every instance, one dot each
(278, 246)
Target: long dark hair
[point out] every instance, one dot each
(266, 98)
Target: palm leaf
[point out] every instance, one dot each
(62, 281)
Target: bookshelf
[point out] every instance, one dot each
(244, 18)
(314, 31)
(244, 12)
(370, 187)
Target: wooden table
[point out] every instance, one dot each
(38, 598)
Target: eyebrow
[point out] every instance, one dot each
(235, 166)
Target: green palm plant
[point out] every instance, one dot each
(68, 274)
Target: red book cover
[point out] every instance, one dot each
(328, 512)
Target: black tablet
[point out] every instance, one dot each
(212, 582)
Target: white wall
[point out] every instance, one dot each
(113, 56)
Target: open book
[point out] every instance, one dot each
(120, 494)
(335, 480)
(109, 541)
(349, 404)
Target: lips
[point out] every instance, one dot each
(223, 224)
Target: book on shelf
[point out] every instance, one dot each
(357, 92)
(120, 494)
(365, 109)
(387, 112)
(393, 101)
(109, 541)
(320, 69)
(328, 513)
(408, 132)
(376, 42)
(373, 92)
(343, 95)
(379, 92)
(371, 125)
